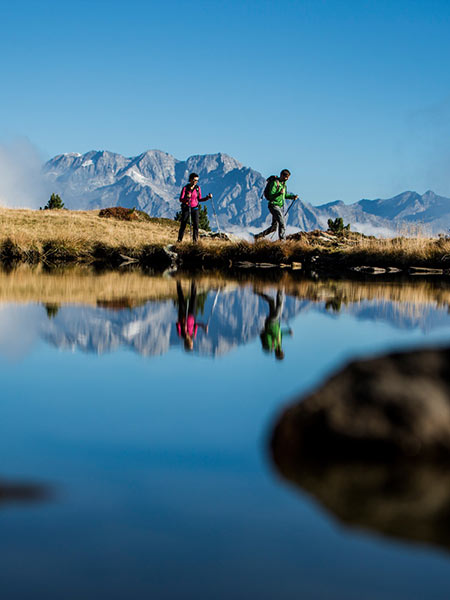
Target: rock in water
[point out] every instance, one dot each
(394, 405)
(372, 445)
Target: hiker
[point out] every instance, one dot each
(187, 325)
(272, 334)
(276, 193)
(190, 197)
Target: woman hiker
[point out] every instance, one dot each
(190, 198)
(276, 193)
(187, 324)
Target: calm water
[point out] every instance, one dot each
(135, 462)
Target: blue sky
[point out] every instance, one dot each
(352, 96)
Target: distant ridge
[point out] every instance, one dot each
(152, 181)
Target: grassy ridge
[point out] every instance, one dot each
(61, 237)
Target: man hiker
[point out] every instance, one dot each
(190, 198)
(272, 334)
(276, 193)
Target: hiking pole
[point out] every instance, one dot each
(191, 233)
(213, 307)
(290, 206)
(215, 214)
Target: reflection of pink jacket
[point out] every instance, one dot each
(190, 327)
(195, 196)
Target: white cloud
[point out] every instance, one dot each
(368, 229)
(21, 182)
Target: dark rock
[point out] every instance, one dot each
(22, 492)
(372, 445)
(394, 405)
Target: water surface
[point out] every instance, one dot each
(146, 458)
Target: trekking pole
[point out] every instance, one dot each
(213, 307)
(191, 233)
(215, 214)
(290, 206)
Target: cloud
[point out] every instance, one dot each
(369, 229)
(22, 184)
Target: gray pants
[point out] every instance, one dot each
(277, 213)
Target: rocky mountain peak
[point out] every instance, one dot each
(152, 181)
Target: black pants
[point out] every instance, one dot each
(186, 306)
(185, 218)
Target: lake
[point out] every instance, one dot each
(137, 413)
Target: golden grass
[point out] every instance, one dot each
(31, 227)
(62, 236)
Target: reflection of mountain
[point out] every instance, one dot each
(150, 330)
(237, 318)
(402, 315)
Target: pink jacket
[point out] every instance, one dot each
(195, 196)
(190, 327)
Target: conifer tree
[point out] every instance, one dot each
(55, 202)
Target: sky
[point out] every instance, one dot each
(352, 96)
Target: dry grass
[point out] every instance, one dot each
(29, 228)
(61, 236)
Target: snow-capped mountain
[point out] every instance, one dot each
(152, 182)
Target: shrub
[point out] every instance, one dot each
(124, 214)
(54, 203)
(337, 226)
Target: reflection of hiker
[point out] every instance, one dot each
(272, 334)
(190, 197)
(187, 325)
(276, 193)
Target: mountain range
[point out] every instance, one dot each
(152, 181)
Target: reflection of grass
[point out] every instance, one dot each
(117, 289)
(412, 295)
(80, 284)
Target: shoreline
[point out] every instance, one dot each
(229, 256)
(64, 237)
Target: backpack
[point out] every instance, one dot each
(269, 180)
